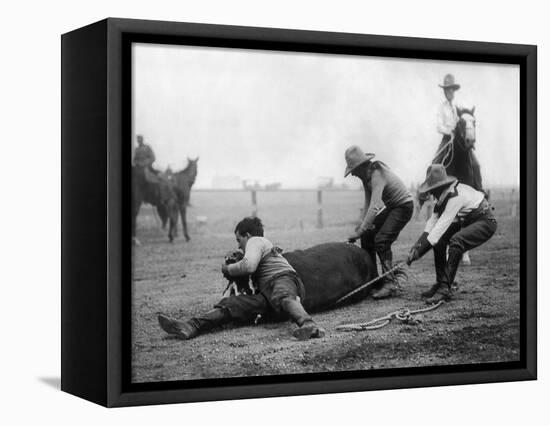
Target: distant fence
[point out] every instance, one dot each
(316, 197)
(505, 201)
(217, 210)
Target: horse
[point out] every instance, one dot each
(457, 154)
(154, 190)
(182, 182)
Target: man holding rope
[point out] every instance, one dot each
(461, 220)
(388, 208)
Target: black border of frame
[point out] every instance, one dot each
(123, 32)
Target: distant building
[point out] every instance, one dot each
(227, 182)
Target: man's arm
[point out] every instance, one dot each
(445, 219)
(445, 125)
(376, 204)
(250, 261)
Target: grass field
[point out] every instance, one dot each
(182, 279)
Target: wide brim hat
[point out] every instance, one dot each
(355, 157)
(449, 82)
(436, 177)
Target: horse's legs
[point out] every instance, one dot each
(163, 214)
(172, 213)
(136, 204)
(183, 213)
(476, 172)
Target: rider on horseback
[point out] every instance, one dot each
(447, 116)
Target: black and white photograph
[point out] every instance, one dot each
(298, 212)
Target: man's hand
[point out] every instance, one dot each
(413, 255)
(420, 248)
(355, 235)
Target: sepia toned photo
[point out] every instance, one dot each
(302, 213)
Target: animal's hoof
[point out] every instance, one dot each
(187, 238)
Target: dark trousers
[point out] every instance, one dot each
(387, 226)
(461, 237)
(269, 300)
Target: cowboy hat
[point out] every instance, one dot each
(449, 83)
(354, 158)
(436, 177)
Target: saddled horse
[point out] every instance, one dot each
(154, 190)
(182, 182)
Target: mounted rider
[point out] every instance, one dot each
(388, 208)
(144, 157)
(447, 116)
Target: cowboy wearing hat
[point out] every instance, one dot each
(388, 208)
(447, 114)
(461, 220)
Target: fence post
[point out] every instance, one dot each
(254, 203)
(319, 208)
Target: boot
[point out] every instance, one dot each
(389, 286)
(307, 328)
(433, 289)
(440, 261)
(444, 291)
(191, 328)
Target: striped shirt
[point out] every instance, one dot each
(262, 259)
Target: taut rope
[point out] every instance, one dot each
(379, 277)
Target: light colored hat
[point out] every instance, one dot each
(355, 157)
(449, 82)
(436, 176)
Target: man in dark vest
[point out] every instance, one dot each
(388, 208)
(461, 220)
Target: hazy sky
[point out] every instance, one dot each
(288, 117)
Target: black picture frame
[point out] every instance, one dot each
(96, 259)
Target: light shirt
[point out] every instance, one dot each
(447, 117)
(462, 200)
(262, 259)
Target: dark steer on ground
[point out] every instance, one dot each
(330, 271)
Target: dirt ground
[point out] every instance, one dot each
(481, 324)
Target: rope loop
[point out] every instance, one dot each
(404, 315)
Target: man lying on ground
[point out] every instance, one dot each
(280, 290)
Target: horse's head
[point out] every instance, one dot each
(466, 127)
(191, 169)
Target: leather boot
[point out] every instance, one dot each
(389, 286)
(440, 261)
(445, 292)
(191, 328)
(307, 328)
